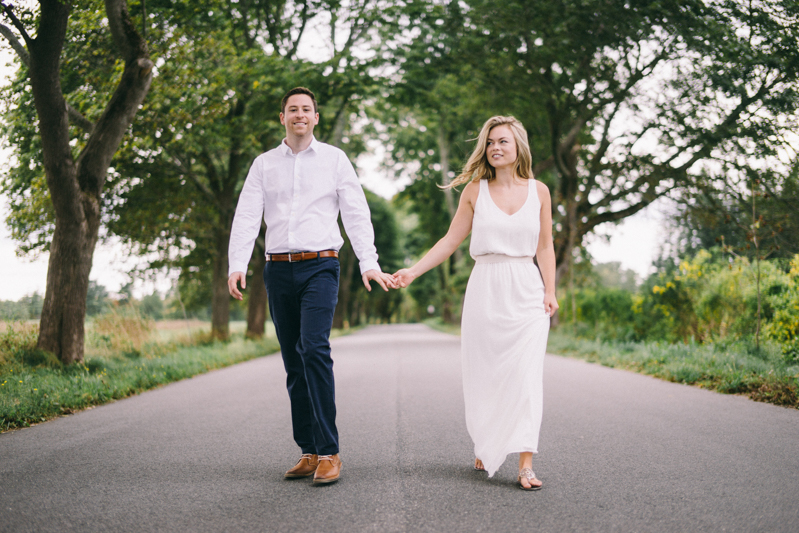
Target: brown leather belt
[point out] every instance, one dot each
(301, 256)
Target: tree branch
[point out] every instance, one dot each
(271, 30)
(17, 24)
(612, 216)
(202, 187)
(75, 116)
(712, 140)
(18, 47)
(131, 45)
(189, 173)
(120, 110)
(304, 18)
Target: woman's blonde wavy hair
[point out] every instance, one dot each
(478, 168)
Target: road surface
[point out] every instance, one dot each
(619, 452)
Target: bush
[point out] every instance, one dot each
(783, 325)
(18, 348)
(708, 298)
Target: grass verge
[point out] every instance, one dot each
(439, 325)
(730, 368)
(34, 387)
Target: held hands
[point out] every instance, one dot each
(404, 277)
(399, 280)
(386, 281)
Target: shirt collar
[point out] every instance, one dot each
(285, 150)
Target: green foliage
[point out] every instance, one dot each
(783, 301)
(124, 331)
(624, 102)
(26, 308)
(96, 299)
(34, 393)
(122, 358)
(152, 306)
(356, 305)
(728, 367)
(18, 348)
(708, 298)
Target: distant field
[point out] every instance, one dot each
(167, 330)
(4, 324)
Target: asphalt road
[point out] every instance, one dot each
(619, 452)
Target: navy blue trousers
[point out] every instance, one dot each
(302, 298)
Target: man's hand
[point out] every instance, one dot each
(383, 279)
(404, 277)
(233, 286)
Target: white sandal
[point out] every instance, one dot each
(530, 476)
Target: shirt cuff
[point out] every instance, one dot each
(369, 265)
(237, 267)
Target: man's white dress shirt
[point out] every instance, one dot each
(299, 197)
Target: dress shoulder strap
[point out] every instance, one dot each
(532, 189)
(482, 191)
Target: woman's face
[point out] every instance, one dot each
(501, 147)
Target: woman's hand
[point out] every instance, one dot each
(550, 304)
(404, 277)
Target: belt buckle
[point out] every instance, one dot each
(290, 254)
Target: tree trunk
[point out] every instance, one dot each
(224, 192)
(76, 188)
(449, 195)
(256, 306)
(220, 296)
(61, 327)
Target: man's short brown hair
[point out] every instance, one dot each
(298, 90)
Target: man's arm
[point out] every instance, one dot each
(246, 225)
(358, 224)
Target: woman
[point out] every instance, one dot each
(508, 300)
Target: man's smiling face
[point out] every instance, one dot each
(299, 117)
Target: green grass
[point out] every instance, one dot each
(35, 387)
(125, 355)
(731, 368)
(439, 325)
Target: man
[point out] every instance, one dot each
(298, 189)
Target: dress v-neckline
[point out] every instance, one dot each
(491, 199)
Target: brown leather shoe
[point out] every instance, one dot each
(305, 467)
(328, 470)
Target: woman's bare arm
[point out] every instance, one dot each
(458, 230)
(546, 250)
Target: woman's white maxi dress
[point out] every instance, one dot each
(504, 331)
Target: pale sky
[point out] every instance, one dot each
(634, 243)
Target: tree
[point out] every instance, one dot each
(626, 102)
(216, 114)
(75, 184)
(643, 98)
(355, 304)
(436, 102)
(96, 299)
(152, 306)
